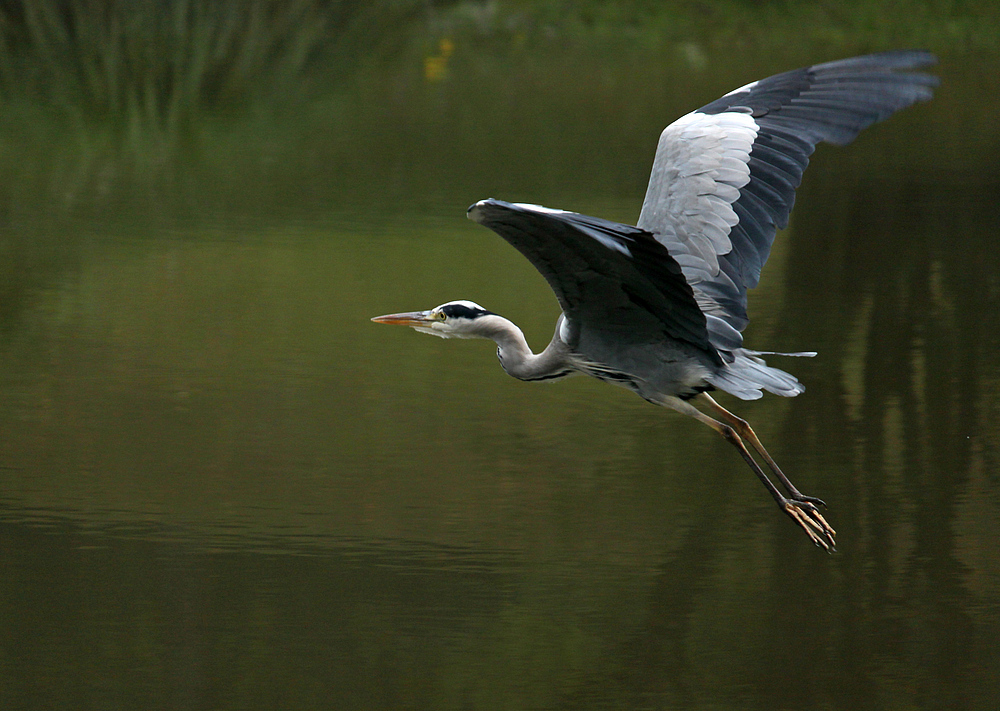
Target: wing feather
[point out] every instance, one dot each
(603, 273)
(724, 177)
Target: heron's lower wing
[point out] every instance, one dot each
(603, 273)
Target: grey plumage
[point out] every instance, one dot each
(660, 307)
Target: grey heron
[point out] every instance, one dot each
(659, 308)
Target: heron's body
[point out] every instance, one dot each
(659, 307)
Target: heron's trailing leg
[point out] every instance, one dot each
(802, 511)
(744, 430)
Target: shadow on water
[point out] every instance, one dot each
(222, 487)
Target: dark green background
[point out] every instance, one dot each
(221, 486)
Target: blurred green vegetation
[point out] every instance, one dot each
(150, 72)
(145, 64)
(152, 68)
(770, 24)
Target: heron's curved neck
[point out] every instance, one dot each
(517, 358)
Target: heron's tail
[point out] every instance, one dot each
(748, 374)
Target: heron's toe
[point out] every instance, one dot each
(808, 517)
(811, 500)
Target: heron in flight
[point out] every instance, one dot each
(659, 308)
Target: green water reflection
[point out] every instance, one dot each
(222, 487)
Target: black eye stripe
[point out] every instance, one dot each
(462, 311)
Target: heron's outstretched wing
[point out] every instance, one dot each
(724, 176)
(603, 273)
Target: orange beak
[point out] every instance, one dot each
(410, 318)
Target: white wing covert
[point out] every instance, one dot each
(724, 177)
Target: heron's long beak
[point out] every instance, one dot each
(411, 318)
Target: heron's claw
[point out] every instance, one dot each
(811, 500)
(806, 515)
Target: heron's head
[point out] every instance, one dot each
(456, 319)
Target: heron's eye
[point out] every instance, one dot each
(440, 316)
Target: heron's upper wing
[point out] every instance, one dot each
(724, 176)
(603, 273)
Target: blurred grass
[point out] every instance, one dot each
(166, 104)
(155, 68)
(144, 75)
(148, 67)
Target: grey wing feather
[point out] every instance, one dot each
(604, 274)
(724, 176)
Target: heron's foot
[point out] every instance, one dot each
(806, 515)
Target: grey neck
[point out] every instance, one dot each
(517, 358)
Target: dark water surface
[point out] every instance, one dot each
(221, 486)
